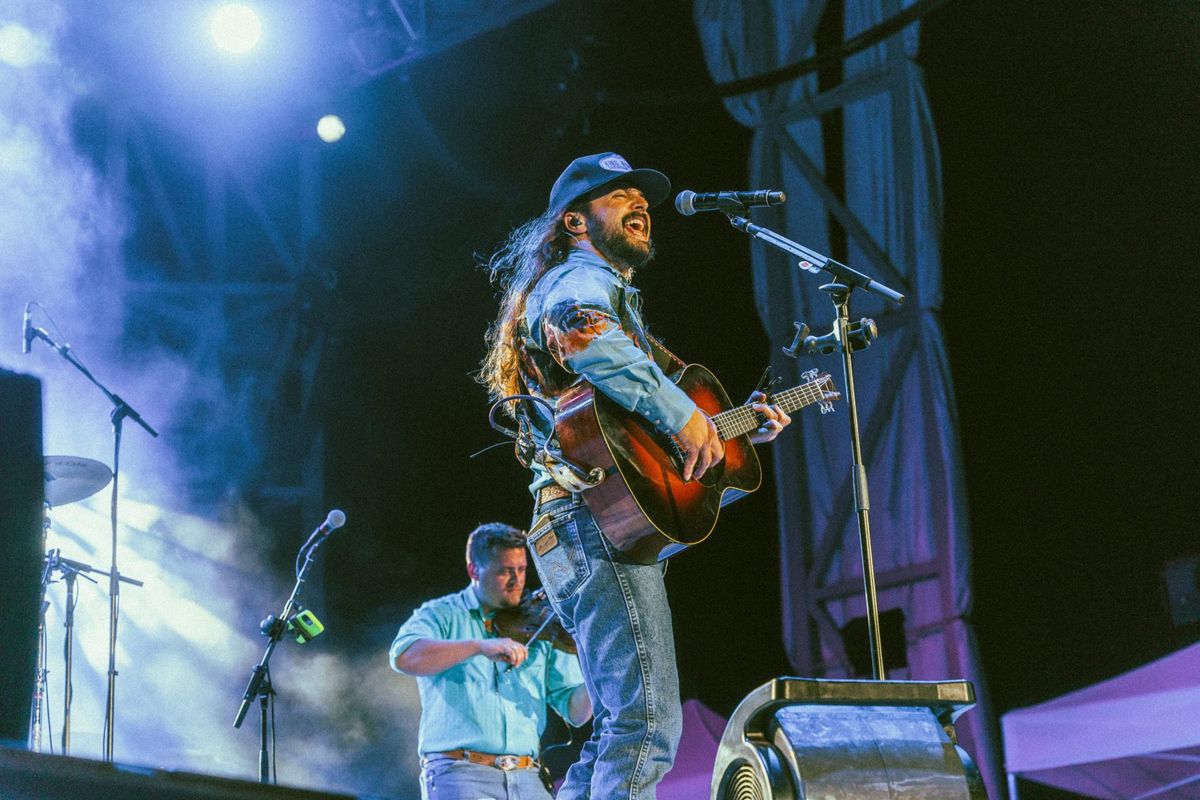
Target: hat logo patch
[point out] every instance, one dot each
(615, 164)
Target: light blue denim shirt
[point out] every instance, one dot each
(479, 704)
(583, 320)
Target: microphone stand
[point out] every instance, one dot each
(41, 675)
(120, 412)
(260, 677)
(846, 336)
(71, 570)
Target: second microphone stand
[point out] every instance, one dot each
(846, 336)
(274, 629)
(120, 412)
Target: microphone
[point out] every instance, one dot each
(688, 202)
(26, 329)
(335, 520)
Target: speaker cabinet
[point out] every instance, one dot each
(800, 739)
(21, 488)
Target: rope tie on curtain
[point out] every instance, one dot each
(855, 44)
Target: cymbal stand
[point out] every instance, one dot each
(120, 412)
(847, 337)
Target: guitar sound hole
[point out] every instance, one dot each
(671, 448)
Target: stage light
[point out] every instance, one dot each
(19, 47)
(235, 28)
(331, 128)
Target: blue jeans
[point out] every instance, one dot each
(616, 609)
(450, 779)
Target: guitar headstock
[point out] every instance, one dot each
(822, 382)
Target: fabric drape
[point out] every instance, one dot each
(892, 216)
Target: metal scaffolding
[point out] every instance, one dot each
(218, 272)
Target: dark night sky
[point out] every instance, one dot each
(1068, 137)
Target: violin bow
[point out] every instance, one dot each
(535, 635)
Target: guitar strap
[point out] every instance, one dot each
(667, 361)
(534, 426)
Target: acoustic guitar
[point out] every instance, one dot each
(643, 505)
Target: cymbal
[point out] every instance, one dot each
(72, 478)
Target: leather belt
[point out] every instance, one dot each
(551, 492)
(506, 763)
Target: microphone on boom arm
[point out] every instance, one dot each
(688, 202)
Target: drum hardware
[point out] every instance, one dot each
(69, 479)
(70, 570)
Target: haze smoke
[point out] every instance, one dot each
(188, 638)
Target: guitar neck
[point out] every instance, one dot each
(744, 419)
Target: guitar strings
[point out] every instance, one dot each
(739, 420)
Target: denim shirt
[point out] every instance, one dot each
(583, 321)
(478, 704)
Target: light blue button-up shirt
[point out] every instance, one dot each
(479, 704)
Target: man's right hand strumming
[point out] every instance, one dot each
(701, 445)
(508, 651)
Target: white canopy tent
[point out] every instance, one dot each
(1134, 736)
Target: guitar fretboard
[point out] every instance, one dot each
(743, 419)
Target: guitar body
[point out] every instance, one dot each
(643, 506)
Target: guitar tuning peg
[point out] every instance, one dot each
(826, 407)
(809, 374)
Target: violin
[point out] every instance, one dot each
(532, 620)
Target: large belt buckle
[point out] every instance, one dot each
(507, 763)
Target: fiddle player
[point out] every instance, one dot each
(483, 695)
(570, 313)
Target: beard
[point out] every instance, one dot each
(616, 245)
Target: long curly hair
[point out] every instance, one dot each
(529, 252)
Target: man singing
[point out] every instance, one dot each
(483, 696)
(570, 313)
